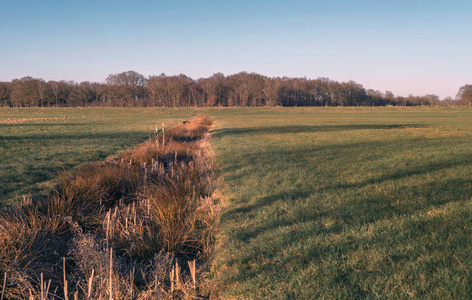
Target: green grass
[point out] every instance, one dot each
(345, 203)
(37, 144)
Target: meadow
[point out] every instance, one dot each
(370, 203)
(345, 203)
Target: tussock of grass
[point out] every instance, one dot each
(86, 195)
(31, 243)
(152, 152)
(128, 222)
(190, 131)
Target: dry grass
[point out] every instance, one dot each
(117, 229)
(190, 130)
(95, 188)
(152, 152)
(31, 244)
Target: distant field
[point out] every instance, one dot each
(345, 203)
(318, 202)
(36, 144)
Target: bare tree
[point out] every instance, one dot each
(25, 92)
(60, 91)
(270, 91)
(128, 86)
(5, 91)
(215, 89)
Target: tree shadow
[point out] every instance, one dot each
(351, 214)
(308, 128)
(334, 152)
(24, 124)
(122, 135)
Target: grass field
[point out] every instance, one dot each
(345, 203)
(318, 202)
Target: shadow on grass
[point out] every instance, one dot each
(266, 158)
(127, 135)
(27, 173)
(350, 212)
(348, 152)
(339, 240)
(13, 187)
(358, 209)
(308, 128)
(24, 124)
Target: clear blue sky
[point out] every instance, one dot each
(405, 46)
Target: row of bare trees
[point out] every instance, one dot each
(242, 89)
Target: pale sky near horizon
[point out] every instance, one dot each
(405, 46)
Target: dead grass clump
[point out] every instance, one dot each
(168, 215)
(86, 195)
(192, 130)
(115, 180)
(108, 276)
(32, 244)
(172, 210)
(152, 154)
(162, 220)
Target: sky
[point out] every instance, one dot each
(414, 47)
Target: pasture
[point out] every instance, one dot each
(316, 202)
(345, 203)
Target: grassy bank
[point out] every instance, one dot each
(345, 203)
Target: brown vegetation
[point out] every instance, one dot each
(117, 229)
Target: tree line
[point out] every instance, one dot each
(242, 89)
